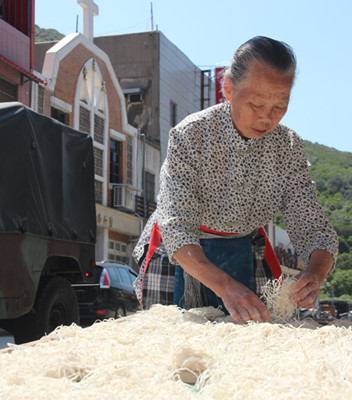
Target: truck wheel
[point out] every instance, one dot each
(56, 304)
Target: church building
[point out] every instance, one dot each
(83, 92)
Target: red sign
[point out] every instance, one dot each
(219, 73)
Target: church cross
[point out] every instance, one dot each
(90, 9)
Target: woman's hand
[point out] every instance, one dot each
(242, 304)
(306, 290)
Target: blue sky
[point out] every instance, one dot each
(208, 32)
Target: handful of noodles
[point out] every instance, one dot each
(276, 295)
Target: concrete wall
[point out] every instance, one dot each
(180, 83)
(151, 160)
(135, 59)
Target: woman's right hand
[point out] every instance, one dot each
(242, 304)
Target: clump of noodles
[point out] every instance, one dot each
(276, 295)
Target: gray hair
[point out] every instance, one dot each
(274, 54)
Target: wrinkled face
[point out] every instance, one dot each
(259, 101)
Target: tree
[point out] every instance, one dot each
(341, 282)
(344, 262)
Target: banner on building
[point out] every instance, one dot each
(219, 73)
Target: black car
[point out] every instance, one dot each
(112, 296)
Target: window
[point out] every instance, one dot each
(134, 95)
(115, 161)
(125, 276)
(84, 120)
(118, 251)
(115, 278)
(8, 91)
(99, 129)
(40, 99)
(98, 161)
(98, 191)
(58, 115)
(149, 186)
(173, 113)
(135, 98)
(92, 118)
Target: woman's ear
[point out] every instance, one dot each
(227, 85)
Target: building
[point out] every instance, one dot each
(161, 84)
(17, 51)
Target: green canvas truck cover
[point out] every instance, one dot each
(46, 171)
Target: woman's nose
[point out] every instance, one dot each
(266, 117)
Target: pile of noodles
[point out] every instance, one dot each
(170, 353)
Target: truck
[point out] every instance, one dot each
(47, 221)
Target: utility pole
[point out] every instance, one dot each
(151, 15)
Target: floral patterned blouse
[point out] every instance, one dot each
(213, 177)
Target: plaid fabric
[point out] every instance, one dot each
(262, 271)
(156, 285)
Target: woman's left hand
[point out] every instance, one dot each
(306, 290)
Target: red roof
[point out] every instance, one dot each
(24, 72)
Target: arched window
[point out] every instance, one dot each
(91, 116)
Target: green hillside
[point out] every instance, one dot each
(47, 35)
(332, 171)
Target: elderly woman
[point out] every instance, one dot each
(228, 170)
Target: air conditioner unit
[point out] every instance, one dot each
(122, 197)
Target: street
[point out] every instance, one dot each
(5, 338)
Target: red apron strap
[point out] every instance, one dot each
(270, 256)
(208, 230)
(154, 243)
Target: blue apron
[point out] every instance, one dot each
(233, 255)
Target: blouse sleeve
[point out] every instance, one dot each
(303, 216)
(178, 211)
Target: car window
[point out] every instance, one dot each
(114, 276)
(125, 277)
